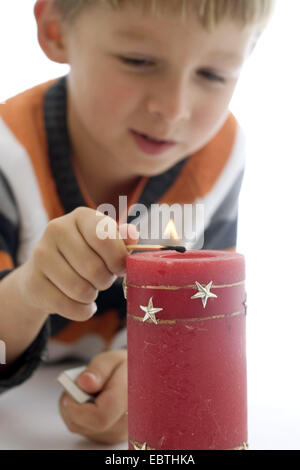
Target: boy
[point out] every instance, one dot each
(142, 113)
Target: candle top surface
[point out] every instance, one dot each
(171, 256)
(172, 267)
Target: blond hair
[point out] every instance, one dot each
(210, 12)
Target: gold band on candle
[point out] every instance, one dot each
(143, 446)
(126, 284)
(181, 320)
(189, 286)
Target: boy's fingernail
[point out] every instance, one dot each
(133, 232)
(91, 376)
(95, 308)
(129, 231)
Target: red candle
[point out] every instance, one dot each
(186, 350)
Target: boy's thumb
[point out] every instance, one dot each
(98, 372)
(89, 382)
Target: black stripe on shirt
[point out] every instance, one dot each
(9, 238)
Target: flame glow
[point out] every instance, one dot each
(170, 231)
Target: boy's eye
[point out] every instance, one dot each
(211, 76)
(136, 62)
(139, 63)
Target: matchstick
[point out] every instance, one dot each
(180, 249)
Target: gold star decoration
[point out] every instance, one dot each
(150, 311)
(140, 446)
(203, 293)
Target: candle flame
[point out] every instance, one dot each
(170, 231)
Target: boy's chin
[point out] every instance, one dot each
(155, 169)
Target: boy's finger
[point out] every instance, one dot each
(129, 232)
(83, 259)
(62, 304)
(101, 234)
(116, 387)
(68, 281)
(68, 408)
(89, 382)
(100, 370)
(109, 406)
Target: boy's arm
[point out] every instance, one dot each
(23, 331)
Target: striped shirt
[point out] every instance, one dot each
(39, 182)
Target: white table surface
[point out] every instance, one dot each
(30, 420)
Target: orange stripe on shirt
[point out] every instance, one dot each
(105, 325)
(23, 114)
(5, 261)
(203, 167)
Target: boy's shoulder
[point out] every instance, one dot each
(22, 111)
(24, 160)
(212, 168)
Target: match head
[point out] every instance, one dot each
(179, 249)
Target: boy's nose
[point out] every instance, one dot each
(170, 103)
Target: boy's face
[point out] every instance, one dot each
(133, 73)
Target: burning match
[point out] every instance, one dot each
(179, 249)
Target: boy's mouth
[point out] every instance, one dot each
(153, 139)
(150, 145)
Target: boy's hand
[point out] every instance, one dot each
(71, 263)
(105, 420)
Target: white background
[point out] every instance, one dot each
(267, 105)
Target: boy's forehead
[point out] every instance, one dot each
(134, 34)
(226, 41)
(132, 28)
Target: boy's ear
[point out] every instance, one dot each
(50, 31)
